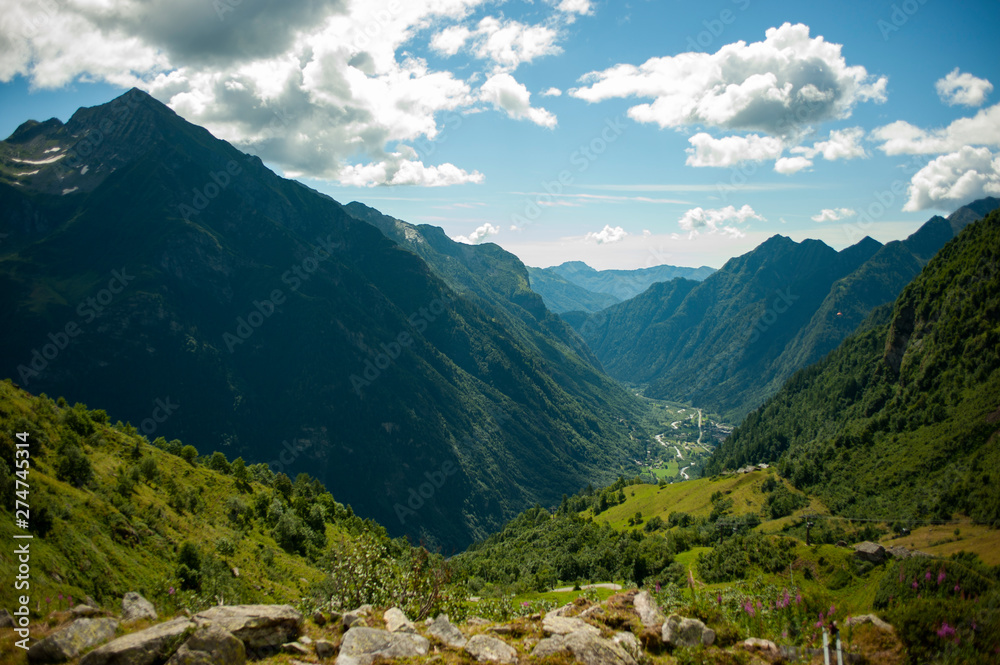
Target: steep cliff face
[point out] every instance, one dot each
(899, 337)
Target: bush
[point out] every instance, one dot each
(189, 454)
(72, 466)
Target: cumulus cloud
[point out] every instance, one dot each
(963, 88)
(777, 86)
(730, 150)
(552, 92)
(581, 7)
(719, 220)
(607, 235)
(790, 165)
(504, 92)
(323, 89)
(841, 144)
(834, 214)
(480, 234)
(506, 44)
(955, 179)
(902, 138)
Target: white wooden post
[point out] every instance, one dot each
(840, 652)
(826, 647)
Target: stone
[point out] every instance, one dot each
(869, 618)
(681, 632)
(362, 645)
(486, 649)
(898, 552)
(396, 621)
(586, 648)
(762, 647)
(210, 645)
(445, 630)
(294, 648)
(478, 621)
(6, 619)
(69, 642)
(319, 619)
(306, 640)
(324, 649)
(135, 607)
(647, 609)
(151, 646)
(630, 643)
(357, 616)
(562, 625)
(257, 626)
(86, 612)
(870, 552)
(561, 611)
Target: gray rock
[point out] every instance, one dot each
(86, 612)
(898, 552)
(257, 626)
(562, 625)
(69, 642)
(647, 609)
(486, 649)
(763, 647)
(210, 645)
(445, 630)
(357, 616)
(680, 632)
(294, 648)
(362, 645)
(477, 621)
(135, 607)
(324, 649)
(586, 648)
(396, 621)
(869, 618)
(306, 640)
(147, 647)
(870, 552)
(630, 643)
(6, 619)
(319, 619)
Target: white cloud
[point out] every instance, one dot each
(964, 89)
(451, 40)
(730, 150)
(842, 144)
(902, 138)
(718, 220)
(955, 179)
(834, 214)
(788, 81)
(581, 7)
(507, 44)
(607, 235)
(480, 234)
(396, 170)
(790, 165)
(552, 92)
(504, 92)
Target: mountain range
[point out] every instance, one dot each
(574, 286)
(730, 341)
(156, 270)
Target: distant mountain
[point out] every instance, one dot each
(902, 420)
(158, 271)
(732, 340)
(575, 286)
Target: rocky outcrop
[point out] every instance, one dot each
(257, 626)
(647, 609)
(361, 645)
(135, 607)
(586, 647)
(69, 642)
(486, 649)
(765, 648)
(151, 646)
(396, 621)
(562, 625)
(870, 552)
(869, 618)
(444, 630)
(210, 645)
(681, 632)
(357, 617)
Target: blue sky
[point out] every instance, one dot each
(622, 134)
